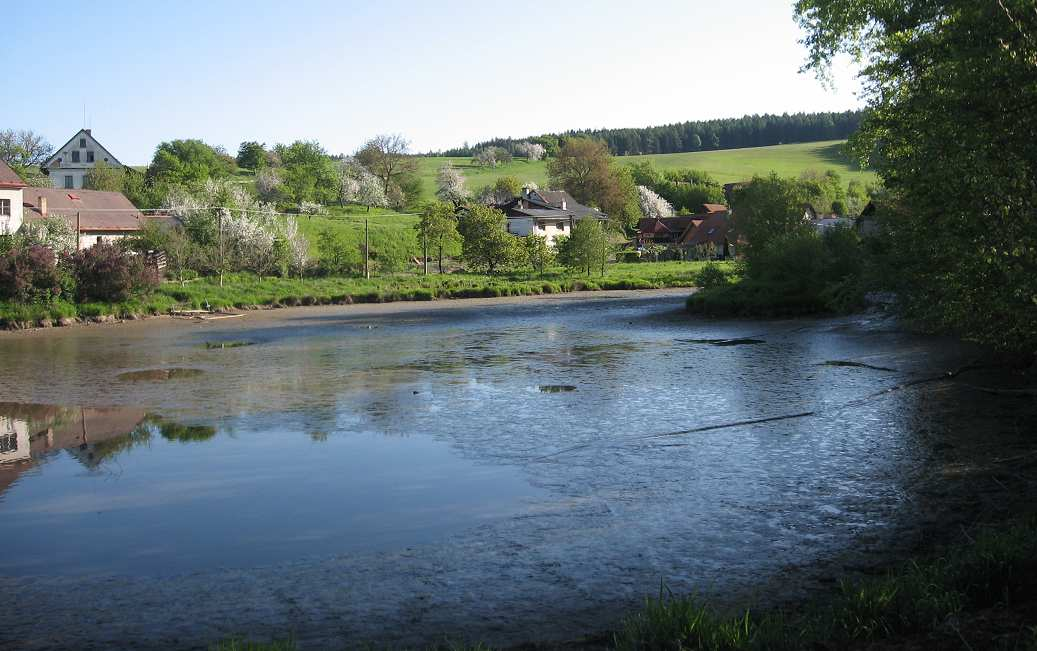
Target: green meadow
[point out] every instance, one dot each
(726, 165)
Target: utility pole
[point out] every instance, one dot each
(424, 248)
(367, 248)
(79, 227)
(221, 247)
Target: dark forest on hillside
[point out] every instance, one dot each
(728, 133)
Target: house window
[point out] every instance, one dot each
(8, 443)
(5, 207)
(82, 143)
(560, 226)
(75, 156)
(68, 182)
(89, 156)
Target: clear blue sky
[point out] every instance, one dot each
(441, 73)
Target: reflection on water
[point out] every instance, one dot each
(258, 493)
(29, 434)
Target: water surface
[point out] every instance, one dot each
(495, 470)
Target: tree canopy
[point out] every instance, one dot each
(951, 87)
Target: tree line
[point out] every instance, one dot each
(727, 133)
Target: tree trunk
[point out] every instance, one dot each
(440, 259)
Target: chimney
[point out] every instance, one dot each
(43, 205)
(87, 131)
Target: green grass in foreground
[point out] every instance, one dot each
(245, 290)
(980, 594)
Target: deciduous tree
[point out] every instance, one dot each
(486, 243)
(437, 229)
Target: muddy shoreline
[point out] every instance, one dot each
(371, 308)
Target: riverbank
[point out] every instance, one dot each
(279, 315)
(247, 292)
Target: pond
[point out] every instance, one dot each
(498, 470)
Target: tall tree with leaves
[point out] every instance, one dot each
(487, 244)
(957, 156)
(437, 229)
(584, 169)
(252, 155)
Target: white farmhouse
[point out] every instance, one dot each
(10, 200)
(548, 213)
(73, 160)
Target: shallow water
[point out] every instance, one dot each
(495, 470)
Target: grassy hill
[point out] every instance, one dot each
(726, 165)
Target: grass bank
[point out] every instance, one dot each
(980, 594)
(245, 291)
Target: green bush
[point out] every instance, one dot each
(711, 276)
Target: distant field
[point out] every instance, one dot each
(727, 165)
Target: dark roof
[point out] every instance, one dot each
(662, 225)
(8, 178)
(98, 211)
(714, 228)
(548, 201)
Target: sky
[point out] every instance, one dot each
(440, 73)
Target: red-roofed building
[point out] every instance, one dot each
(711, 238)
(96, 215)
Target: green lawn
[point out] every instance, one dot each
(728, 165)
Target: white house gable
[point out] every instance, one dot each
(73, 160)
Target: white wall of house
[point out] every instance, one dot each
(90, 238)
(11, 223)
(60, 178)
(550, 229)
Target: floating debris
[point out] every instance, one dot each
(723, 342)
(220, 345)
(840, 362)
(556, 388)
(159, 374)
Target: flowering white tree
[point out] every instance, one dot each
(233, 230)
(652, 205)
(531, 150)
(312, 208)
(487, 157)
(359, 186)
(268, 184)
(451, 185)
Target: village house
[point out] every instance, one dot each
(96, 216)
(670, 231)
(548, 213)
(712, 238)
(10, 200)
(73, 161)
